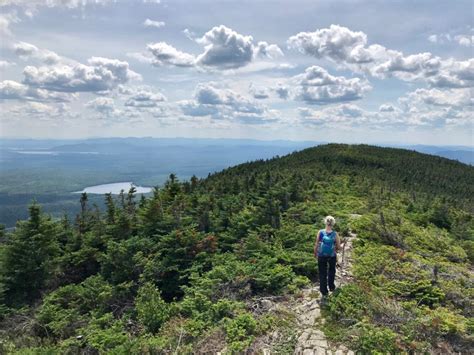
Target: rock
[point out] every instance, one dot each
(343, 348)
(318, 335)
(308, 352)
(315, 344)
(267, 304)
(350, 352)
(320, 343)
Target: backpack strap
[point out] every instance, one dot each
(322, 233)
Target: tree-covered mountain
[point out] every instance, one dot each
(180, 271)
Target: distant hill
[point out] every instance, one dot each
(464, 156)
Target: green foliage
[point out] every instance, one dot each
(125, 260)
(105, 333)
(181, 268)
(240, 332)
(349, 304)
(152, 311)
(27, 258)
(67, 308)
(375, 340)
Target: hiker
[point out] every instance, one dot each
(326, 246)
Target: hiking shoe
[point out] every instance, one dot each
(324, 300)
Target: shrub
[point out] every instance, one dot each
(104, 333)
(349, 304)
(151, 309)
(375, 340)
(65, 309)
(240, 332)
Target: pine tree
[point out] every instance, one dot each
(28, 258)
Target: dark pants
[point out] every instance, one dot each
(327, 273)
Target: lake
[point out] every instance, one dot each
(114, 188)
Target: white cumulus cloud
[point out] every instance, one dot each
(224, 49)
(317, 86)
(350, 48)
(154, 24)
(100, 74)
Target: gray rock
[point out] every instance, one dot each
(267, 304)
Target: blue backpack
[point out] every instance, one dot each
(327, 243)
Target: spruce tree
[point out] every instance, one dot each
(28, 258)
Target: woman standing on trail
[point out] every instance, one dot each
(325, 248)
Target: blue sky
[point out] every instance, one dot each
(344, 71)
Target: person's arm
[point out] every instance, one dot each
(338, 242)
(316, 245)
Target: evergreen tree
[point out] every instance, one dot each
(28, 256)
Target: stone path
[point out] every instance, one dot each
(312, 340)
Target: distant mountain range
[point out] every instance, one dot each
(461, 153)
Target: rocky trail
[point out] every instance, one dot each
(312, 340)
(306, 306)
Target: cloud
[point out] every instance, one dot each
(141, 57)
(41, 111)
(420, 108)
(6, 19)
(38, 108)
(386, 108)
(142, 98)
(30, 6)
(258, 93)
(272, 51)
(12, 90)
(6, 64)
(335, 42)
(435, 107)
(342, 116)
(27, 50)
(453, 98)
(224, 104)
(224, 49)
(349, 116)
(23, 49)
(154, 24)
(433, 38)
(317, 86)
(103, 105)
(454, 74)
(465, 40)
(189, 34)
(165, 54)
(351, 49)
(100, 74)
(282, 91)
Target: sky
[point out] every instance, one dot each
(342, 71)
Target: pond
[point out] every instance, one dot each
(114, 188)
